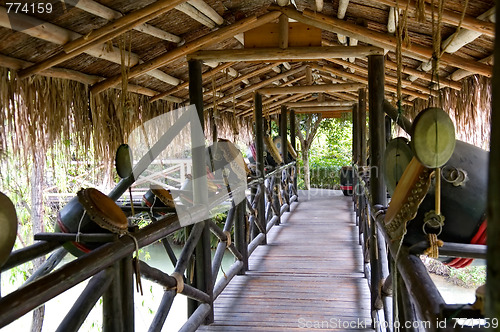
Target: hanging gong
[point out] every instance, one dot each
(103, 210)
(433, 137)
(123, 161)
(8, 226)
(277, 142)
(398, 155)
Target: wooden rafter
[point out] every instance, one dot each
(381, 40)
(210, 38)
(288, 54)
(58, 35)
(450, 17)
(102, 35)
(311, 89)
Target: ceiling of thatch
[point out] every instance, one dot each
(72, 19)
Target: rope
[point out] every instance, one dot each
(434, 244)
(79, 226)
(179, 280)
(228, 238)
(137, 269)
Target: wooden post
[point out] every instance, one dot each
(203, 265)
(127, 291)
(362, 126)
(355, 139)
(240, 234)
(259, 147)
(112, 320)
(493, 266)
(376, 74)
(284, 144)
(293, 142)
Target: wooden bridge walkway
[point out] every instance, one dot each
(308, 277)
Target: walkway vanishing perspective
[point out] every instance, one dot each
(309, 275)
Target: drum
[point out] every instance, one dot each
(8, 226)
(463, 197)
(102, 215)
(292, 154)
(397, 156)
(346, 180)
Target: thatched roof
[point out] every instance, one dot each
(40, 102)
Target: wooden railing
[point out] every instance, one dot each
(110, 267)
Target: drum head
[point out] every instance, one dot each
(398, 155)
(433, 137)
(123, 161)
(164, 195)
(8, 226)
(103, 210)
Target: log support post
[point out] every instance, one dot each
(361, 160)
(259, 147)
(293, 142)
(355, 142)
(127, 291)
(203, 259)
(240, 234)
(112, 315)
(376, 75)
(284, 147)
(493, 266)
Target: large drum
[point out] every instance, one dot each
(463, 198)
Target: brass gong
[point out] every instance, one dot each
(433, 137)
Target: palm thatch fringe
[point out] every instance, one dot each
(43, 112)
(469, 109)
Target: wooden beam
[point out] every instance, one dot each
(68, 74)
(52, 33)
(283, 31)
(122, 24)
(364, 79)
(288, 54)
(381, 40)
(319, 5)
(251, 74)
(254, 87)
(97, 9)
(311, 89)
(102, 35)
(320, 104)
(208, 11)
(210, 38)
(185, 85)
(195, 14)
(450, 17)
(458, 74)
(321, 109)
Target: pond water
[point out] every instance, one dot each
(145, 305)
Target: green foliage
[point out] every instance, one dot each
(331, 149)
(470, 276)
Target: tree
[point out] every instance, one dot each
(308, 125)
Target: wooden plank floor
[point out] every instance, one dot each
(308, 277)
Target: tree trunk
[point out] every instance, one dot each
(37, 181)
(307, 175)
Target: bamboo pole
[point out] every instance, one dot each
(210, 38)
(451, 17)
(381, 40)
(124, 23)
(102, 35)
(288, 54)
(97, 9)
(58, 35)
(196, 14)
(208, 11)
(311, 88)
